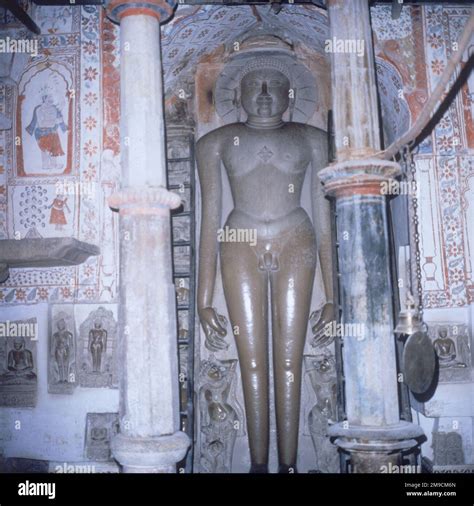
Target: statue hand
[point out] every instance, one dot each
(214, 326)
(319, 319)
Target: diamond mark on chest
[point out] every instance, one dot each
(265, 154)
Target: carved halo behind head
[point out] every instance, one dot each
(303, 99)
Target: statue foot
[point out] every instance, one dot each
(259, 469)
(285, 469)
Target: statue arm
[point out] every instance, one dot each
(11, 361)
(29, 360)
(209, 170)
(322, 223)
(322, 214)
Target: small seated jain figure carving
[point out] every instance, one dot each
(446, 350)
(266, 167)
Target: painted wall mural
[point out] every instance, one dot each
(60, 161)
(444, 160)
(44, 120)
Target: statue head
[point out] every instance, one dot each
(18, 343)
(61, 324)
(98, 324)
(265, 86)
(443, 332)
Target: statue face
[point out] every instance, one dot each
(265, 93)
(61, 324)
(443, 333)
(18, 344)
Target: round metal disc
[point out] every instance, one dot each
(419, 362)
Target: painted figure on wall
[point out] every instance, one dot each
(63, 347)
(46, 120)
(58, 216)
(266, 169)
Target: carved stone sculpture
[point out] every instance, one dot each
(97, 348)
(266, 160)
(62, 352)
(446, 350)
(18, 367)
(448, 449)
(451, 343)
(321, 370)
(100, 428)
(218, 417)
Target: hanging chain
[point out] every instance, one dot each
(413, 227)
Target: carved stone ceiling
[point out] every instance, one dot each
(198, 30)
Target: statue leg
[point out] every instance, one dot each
(246, 292)
(291, 289)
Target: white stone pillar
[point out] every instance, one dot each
(149, 440)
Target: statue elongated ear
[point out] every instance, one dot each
(292, 98)
(237, 102)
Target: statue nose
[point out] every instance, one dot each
(264, 96)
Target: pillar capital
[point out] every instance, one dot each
(369, 176)
(159, 9)
(144, 200)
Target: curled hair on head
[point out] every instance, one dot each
(265, 62)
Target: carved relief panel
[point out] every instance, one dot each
(97, 349)
(62, 375)
(18, 363)
(100, 429)
(452, 346)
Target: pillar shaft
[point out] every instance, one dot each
(355, 111)
(141, 87)
(373, 434)
(149, 439)
(369, 360)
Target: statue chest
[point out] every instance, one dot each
(270, 158)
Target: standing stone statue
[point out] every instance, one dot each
(63, 348)
(266, 160)
(97, 345)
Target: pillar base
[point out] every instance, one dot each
(376, 449)
(150, 454)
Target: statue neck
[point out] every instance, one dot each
(264, 123)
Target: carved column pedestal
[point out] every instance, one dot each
(149, 440)
(373, 434)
